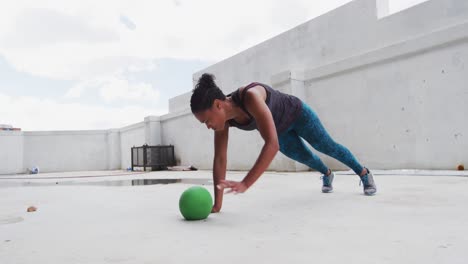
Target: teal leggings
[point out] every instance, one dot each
(308, 127)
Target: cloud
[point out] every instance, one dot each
(115, 88)
(109, 51)
(31, 113)
(118, 89)
(111, 65)
(35, 27)
(75, 92)
(127, 22)
(85, 31)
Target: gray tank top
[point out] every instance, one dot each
(284, 108)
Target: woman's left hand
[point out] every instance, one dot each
(232, 186)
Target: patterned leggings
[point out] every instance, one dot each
(308, 127)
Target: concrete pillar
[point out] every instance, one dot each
(383, 8)
(153, 134)
(289, 82)
(113, 149)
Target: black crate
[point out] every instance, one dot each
(154, 157)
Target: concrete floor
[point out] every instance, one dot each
(283, 218)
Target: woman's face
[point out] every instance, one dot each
(213, 118)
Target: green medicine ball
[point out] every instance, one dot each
(195, 203)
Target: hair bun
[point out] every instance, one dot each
(204, 93)
(207, 80)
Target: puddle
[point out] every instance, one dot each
(132, 182)
(7, 219)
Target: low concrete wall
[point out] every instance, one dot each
(66, 150)
(54, 151)
(392, 88)
(11, 152)
(403, 112)
(131, 136)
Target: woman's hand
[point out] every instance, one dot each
(232, 186)
(216, 208)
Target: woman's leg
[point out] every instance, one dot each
(309, 127)
(293, 147)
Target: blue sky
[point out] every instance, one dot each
(74, 65)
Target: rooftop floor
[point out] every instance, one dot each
(99, 217)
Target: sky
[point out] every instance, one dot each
(87, 64)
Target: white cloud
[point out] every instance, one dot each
(30, 113)
(86, 42)
(115, 88)
(118, 89)
(127, 22)
(165, 29)
(36, 27)
(104, 66)
(75, 92)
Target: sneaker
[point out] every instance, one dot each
(327, 182)
(369, 184)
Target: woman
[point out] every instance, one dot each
(282, 121)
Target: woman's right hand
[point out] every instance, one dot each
(216, 209)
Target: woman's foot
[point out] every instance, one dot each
(327, 186)
(369, 184)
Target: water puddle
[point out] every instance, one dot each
(131, 182)
(8, 219)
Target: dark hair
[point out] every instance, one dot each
(205, 93)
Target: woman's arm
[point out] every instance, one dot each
(255, 104)
(219, 165)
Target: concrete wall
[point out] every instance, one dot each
(54, 151)
(66, 150)
(392, 88)
(348, 31)
(394, 116)
(11, 152)
(131, 136)
(114, 149)
(146, 132)
(192, 145)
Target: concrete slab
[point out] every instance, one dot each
(283, 218)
